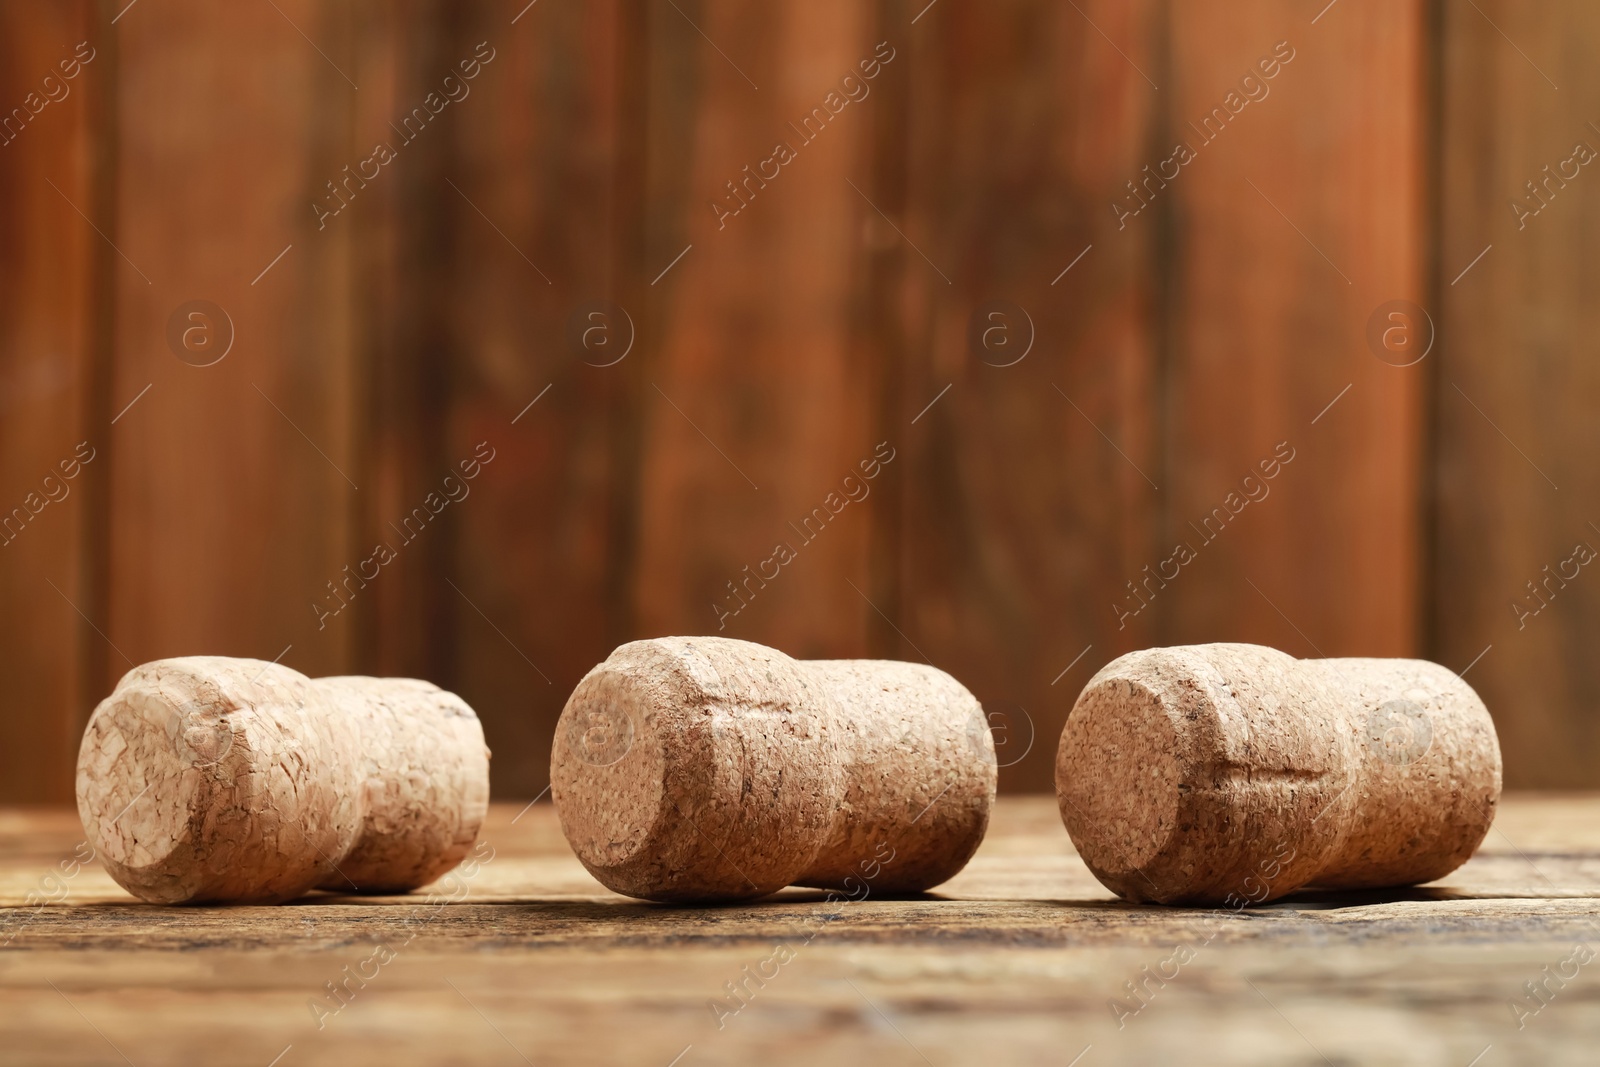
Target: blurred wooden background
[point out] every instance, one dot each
(1174, 351)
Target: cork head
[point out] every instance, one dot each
(170, 737)
(1183, 770)
(696, 768)
(1120, 775)
(209, 778)
(608, 767)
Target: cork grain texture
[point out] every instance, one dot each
(1229, 772)
(236, 780)
(424, 782)
(919, 775)
(704, 769)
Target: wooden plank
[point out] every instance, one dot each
(1300, 213)
(236, 482)
(1018, 959)
(1026, 498)
(406, 231)
(54, 67)
(545, 327)
(1439, 1006)
(757, 418)
(1515, 377)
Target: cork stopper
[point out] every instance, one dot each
(704, 768)
(207, 778)
(1231, 773)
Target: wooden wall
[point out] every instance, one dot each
(658, 364)
(55, 345)
(1517, 388)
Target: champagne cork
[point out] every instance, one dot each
(206, 778)
(708, 769)
(1231, 773)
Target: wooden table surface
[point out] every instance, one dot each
(1017, 960)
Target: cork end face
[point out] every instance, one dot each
(607, 770)
(1119, 783)
(139, 777)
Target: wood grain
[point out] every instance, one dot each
(1024, 499)
(1516, 381)
(49, 173)
(234, 484)
(1016, 960)
(828, 315)
(401, 239)
(1289, 228)
(541, 229)
(755, 411)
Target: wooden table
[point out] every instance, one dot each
(1017, 960)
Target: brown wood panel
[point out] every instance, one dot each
(542, 217)
(1229, 314)
(1026, 494)
(51, 107)
(1517, 379)
(403, 240)
(759, 408)
(1300, 212)
(235, 484)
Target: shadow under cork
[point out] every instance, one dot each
(1312, 898)
(806, 895)
(507, 920)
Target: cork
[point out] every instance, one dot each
(1234, 773)
(206, 778)
(710, 769)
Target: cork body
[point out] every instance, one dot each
(216, 779)
(1230, 772)
(706, 769)
(919, 772)
(424, 782)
